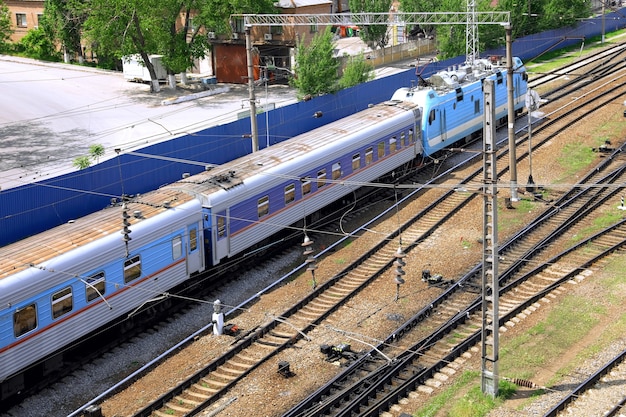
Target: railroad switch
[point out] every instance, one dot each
(231, 329)
(335, 353)
(284, 369)
(604, 148)
(435, 280)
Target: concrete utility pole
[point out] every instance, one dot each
(490, 286)
(254, 130)
(511, 113)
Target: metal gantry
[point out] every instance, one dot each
(471, 19)
(471, 34)
(365, 19)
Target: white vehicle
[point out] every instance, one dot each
(135, 69)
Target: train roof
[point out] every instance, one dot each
(77, 233)
(234, 173)
(458, 76)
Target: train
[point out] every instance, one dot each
(61, 286)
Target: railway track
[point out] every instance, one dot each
(587, 67)
(601, 394)
(458, 329)
(208, 385)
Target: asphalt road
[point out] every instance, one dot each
(51, 114)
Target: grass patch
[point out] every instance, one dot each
(574, 157)
(569, 321)
(599, 223)
(555, 59)
(514, 218)
(473, 403)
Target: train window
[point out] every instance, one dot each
(356, 161)
(459, 94)
(381, 149)
(411, 137)
(132, 269)
(336, 170)
(369, 156)
(498, 77)
(306, 186)
(221, 226)
(431, 117)
(393, 143)
(477, 107)
(62, 302)
(321, 178)
(290, 193)
(263, 206)
(193, 239)
(24, 320)
(177, 247)
(403, 141)
(95, 286)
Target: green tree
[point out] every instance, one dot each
(36, 44)
(5, 27)
(82, 162)
(128, 27)
(62, 21)
(216, 15)
(558, 13)
(374, 35)
(316, 68)
(96, 151)
(527, 17)
(357, 71)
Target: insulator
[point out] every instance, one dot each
(524, 383)
(399, 262)
(126, 222)
(308, 251)
(399, 280)
(400, 272)
(307, 241)
(400, 253)
(310, 260)
(126, 238)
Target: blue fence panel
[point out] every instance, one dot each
(30, 209)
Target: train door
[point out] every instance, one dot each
(442, 125)
(221, 239)
(195, 260)
(207, 235)
(435, 129)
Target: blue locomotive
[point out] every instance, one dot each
(61, 286)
